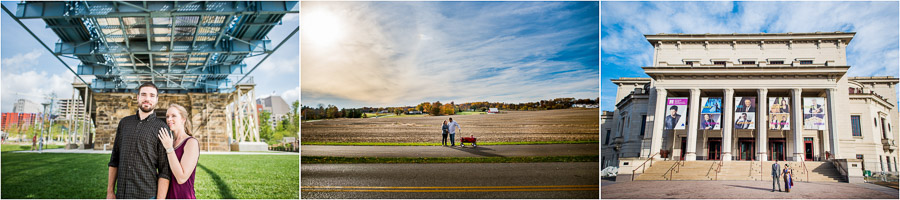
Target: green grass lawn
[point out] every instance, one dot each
(347, 160)
(439, 144)
(84, 176)
(15, 147)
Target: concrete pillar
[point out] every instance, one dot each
(658, 122)
(727, 123)
(797, 124)
(832, 123)
(694, 114)
(762, 124)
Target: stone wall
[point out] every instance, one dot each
(207, 114)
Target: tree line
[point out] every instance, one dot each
(437, 108)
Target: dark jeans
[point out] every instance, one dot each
(444, 140)
(452, 139)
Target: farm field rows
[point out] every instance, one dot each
(510, 126)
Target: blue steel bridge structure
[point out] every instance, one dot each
(182, 47)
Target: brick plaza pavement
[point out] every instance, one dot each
(743, 190)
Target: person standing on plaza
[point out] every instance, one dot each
(776, 174)
(444, 129)
(33, 142)
(788, 180)
(138, 166)
(453, 126)
(182, 157)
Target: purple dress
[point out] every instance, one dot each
(186, 190)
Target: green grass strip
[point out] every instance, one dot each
(354, 160)
(16, 147)
(439, 144)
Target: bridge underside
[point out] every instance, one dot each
(193, 51)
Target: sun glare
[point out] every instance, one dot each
(323, 28)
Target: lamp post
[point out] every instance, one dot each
(41, 140)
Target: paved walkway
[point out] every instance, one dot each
(441, 151)
(61, 150)
(743, 190)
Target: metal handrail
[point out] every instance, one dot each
(805, 170)
(642, 164)
(719, 169)
(675, 167)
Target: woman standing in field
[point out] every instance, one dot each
(183, 158)
(444, 129)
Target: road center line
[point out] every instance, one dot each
(447, 187)
(468, 190)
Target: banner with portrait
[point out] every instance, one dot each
(814, 113)
(745, 112)
(779, 113)
(676, 108)
(710, 113)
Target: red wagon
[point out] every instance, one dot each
(465, 140)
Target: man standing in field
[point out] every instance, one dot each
(453, 127)
(138, 166)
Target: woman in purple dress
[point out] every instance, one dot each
(183, 156)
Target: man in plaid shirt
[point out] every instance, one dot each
(138, 166)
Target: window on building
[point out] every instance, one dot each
(691, 63)
(748, 62)
(643, 124)
(806, 62)
(607, 136)
(859, 156)
(854, 122)
(883, 129)
(777, 62)
(719, 63)
(888, 158)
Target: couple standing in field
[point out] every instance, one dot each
(145, 156)
(449, 128)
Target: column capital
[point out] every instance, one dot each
(695, 90)
(661, 91)
(762, 90)
(797, 89)
(729, 90)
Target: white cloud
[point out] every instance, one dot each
(34, 85)
(22, 61)
(291, 95)
(390, 58)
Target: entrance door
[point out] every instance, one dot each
(808, 148)
(746, 148)
(683, 146)
(776, 149)
(715, 148)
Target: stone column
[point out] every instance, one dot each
(727, 123)
(832, 123)
(658, 122)
(797, 124)
(694, 113)
(761, 124)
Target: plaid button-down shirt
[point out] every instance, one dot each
(139, 156)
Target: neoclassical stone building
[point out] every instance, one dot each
(708, 93)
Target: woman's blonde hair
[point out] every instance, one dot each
(184, 114)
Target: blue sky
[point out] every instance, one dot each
(873, 51)
(29, 69)
(403, 53)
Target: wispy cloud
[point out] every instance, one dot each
(403, 53)
(873, 51)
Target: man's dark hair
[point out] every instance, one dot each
(451, 119)
(673, 108)
(147, 84)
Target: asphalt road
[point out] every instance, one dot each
(451, 180)
(441, 151)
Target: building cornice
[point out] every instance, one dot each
(655, 72)
(662, 37)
